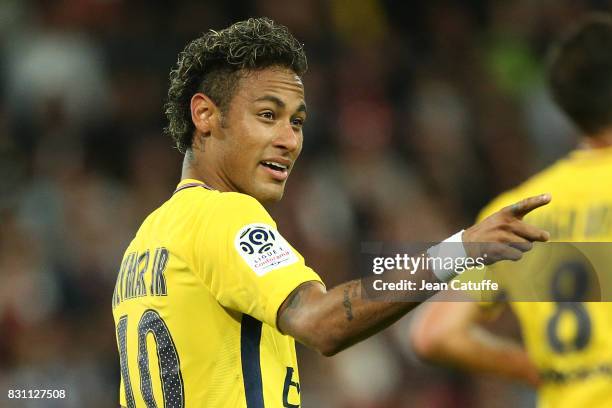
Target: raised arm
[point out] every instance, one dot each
(330, 321)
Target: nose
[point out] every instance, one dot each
(289, 138)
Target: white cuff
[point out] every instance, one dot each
(447, 251)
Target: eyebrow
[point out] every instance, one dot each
(278, 102)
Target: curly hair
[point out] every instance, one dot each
(580, 73)
(213, 64)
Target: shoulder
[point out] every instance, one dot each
(213, 203)
(217, 213)
(234, 210)
(241, 205)
(235, 200)
(230, 219)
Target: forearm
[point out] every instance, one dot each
(344, 315)
(481, 351)
(331, 321)
(450, 333)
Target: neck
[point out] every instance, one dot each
(194, 168)
(599, 140)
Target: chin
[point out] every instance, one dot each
(269, 194)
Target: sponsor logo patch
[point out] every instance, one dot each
(263, 248)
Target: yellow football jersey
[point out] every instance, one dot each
(195, 305)
(570, 342)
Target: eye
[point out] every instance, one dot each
(297, 122)
(268, 115)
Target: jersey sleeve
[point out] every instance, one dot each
(245, 262)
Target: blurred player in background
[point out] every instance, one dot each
(569, 344)
(210, 297)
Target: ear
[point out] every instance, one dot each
(204, 113)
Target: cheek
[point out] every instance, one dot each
(248, 133)
(245, 150)
(300, 144)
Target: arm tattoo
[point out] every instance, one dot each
(355, 287)
(295, 299)
(290, 307)
(348, 306)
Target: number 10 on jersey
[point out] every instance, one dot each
(169, 365)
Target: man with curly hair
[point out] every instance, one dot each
(210, 296)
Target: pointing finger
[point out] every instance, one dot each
(523, 207)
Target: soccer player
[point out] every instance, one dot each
(569, 344)
(210, 296)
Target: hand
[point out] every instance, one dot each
(503, 235)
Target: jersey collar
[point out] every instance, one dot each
(189, 183)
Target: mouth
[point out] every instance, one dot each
(279, 171)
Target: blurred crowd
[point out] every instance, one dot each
(419, 113)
